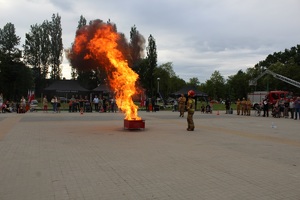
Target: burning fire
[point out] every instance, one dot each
(102, 46)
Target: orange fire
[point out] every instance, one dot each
(101, 46)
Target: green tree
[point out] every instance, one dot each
(15, 77)
(56, 47)
(36, 54)
(81, 23)
(236, 86)
(45, 50)
(19, 77)
(168, 81)
(215, 86)
(194, 82)
(152, 64)
(286, 63)
(137, 47)
(142, 72)
(32, 47)
(8, 42)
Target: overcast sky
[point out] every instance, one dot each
(197, 36)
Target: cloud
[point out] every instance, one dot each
(198, 37)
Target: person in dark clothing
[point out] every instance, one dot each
(227, 106)
(105, 104)
(153, 104)
(286, 108)
(147, 105)
(266, 107)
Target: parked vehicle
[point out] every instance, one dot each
(214, 101)
(257, 97)
(63, 100)
(33, 105)
(272, 96)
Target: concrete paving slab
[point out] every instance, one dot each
(53, 156)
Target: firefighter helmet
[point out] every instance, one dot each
(191, 93)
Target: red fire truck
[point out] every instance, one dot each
(257, 97)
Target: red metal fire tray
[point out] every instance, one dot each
(134, 124)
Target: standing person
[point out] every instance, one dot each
(58, 105)
(54, 104)
(153, 100)
(96, 103)
(244, 104)
(81, 102)
(87, 106)
(45, 104)
(23, 104)
(227, 106)
(238, 107)
(73, 103)
(113, 105)
(101, 105)
(147, 105)
(1, 101)
(107, 105)
(248, 107)
(104, 104)
(266, 107)
(181, 103)
(70, 105)
(202, 108)
(190, 106)
(175, 105)
(77, 106)
(281, 107)
(286, 108)
(297, 108)
(292, 108)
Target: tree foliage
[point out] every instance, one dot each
(89, 76)
(285, 63)
(43, 50)
(136, 47)
(8, 43)
(152, 64)
(167, 79)
(194, 82)
(236, 86)
(81, 23)
(56, 46)
(15, 77)
(36, 53)
(214, 87)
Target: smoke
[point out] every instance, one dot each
(81, 60)
(100, 45)
(79, 57)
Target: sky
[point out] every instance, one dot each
(197, 36)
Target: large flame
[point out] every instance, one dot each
(100, 46)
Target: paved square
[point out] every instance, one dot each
(68, 156)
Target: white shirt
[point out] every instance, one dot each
(96, 100)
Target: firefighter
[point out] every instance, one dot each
(190, 107)
(238, 106)
(243, 104)
(248, 106)
(181, 103)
